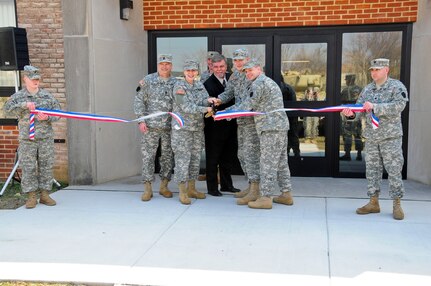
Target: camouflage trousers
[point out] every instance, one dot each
(36, 159)
(351, 129)
(249, 151)
(274, 167)
(187, 146)
(149, 144)
(388, 154)
(311, 127)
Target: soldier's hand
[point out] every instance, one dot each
(368, 106)
(210, 112)
(141, 82)
(180, 91)
(347, 112)
(143, 127)
(42, 116)
(31, 106)
(214, 100)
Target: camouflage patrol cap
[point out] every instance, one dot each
(31, 72)
(211, 54)
(379, 63)
(191, 65)
(240, 54)
(350, 77)
(164, 58)
(251, 64)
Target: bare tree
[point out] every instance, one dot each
(360, 48)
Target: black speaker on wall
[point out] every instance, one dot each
(13, 48)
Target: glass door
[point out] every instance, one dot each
(302, 64)
(354, 77)
(259, 48)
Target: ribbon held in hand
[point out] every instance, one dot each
(31, 127)
(241, 113)
(102, 118)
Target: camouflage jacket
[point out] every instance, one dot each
(205, 75)
(16, 106)
(264, 95)
(155, 95)
(236, 88)
(192, 105)
(388, 101)
(350, 94)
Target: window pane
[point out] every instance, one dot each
(256, 52)
(7, 13)
(304, 68)
(183, 48)
(312, 136)
(358, 50)
(7, 78)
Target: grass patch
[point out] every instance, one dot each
(14, 198)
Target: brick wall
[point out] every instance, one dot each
(202, 14)
(8, 145)
(43, 21)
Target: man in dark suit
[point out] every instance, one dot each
(221, 144)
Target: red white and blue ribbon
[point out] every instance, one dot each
(31, 127)
(239, 113)
(230, 114)
(374, 121)
(103, 118)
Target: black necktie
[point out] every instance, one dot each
(224, 83)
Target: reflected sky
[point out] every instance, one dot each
(182, 49)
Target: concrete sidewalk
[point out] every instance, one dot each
(105, 234)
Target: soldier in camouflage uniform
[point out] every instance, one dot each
(191, 102)
(208, 72)
(264, 95)
(311, 123)
(248, 140)
(386, 98)
(36, 156)
(351, 128)
(155, 94)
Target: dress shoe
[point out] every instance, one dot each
(215, 193)
(231, 190)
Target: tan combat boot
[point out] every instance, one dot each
(242, 193)
(148, 192)
(184, 199)
(202, 177)
(398, 211)
(46, 199)
(263, 202)
(252, 195)
(372, 207)
(164, 191)
(192, 192)
(31, 201)
(285, 198)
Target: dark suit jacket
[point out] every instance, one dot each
(214, 88)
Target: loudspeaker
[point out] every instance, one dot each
(13, 49)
